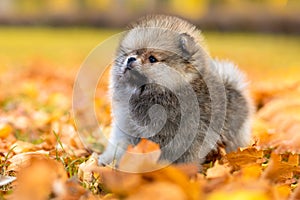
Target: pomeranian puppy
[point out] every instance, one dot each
(165, 87)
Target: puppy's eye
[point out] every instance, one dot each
(152, 59)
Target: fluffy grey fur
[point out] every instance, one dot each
(146, 95)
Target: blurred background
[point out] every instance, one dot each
(246, 15)
(60, 33)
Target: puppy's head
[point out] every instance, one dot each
(153, 47)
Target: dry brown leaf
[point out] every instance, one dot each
(71, 190)
(283, 114)
(279, 171)
(144, 146)
(118, 182)
(85, 169)
(288, 142)
(296, 194)
(262, 132)
(22, 147)
(251, 172)
(190, 170)
(264, 92)
(245, 157)
(283, 191)
(37, 179)
(128, 184)
(240, 194)
(218, 171)
(20, 160)
(70, 136)
(243, 188)
(176, 176)
(159, 191)
(140, 158)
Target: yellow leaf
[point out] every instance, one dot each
(251, 172)
(283, 191)
(144, 146)
(239, 194)
(37, 178)
(296, 193)
(176, 176)
(140, 158)
(159, 191)
(85, 169)
(21, 147)
(218, 171)
(245, 157)
(5, 130)
(278, 170)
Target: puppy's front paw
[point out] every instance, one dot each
(104, 159)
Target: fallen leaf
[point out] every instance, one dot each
(251, 172)
(190, 170)
(262, 132)
(120, 183)
(279, 171)
(218, 171)
(245, 157)
(140, 158)
(20, 160)
(283, 191)
(296, 194)
(85, 169)
(36, 179)
(176, 176)
(21, 147)
(159, 191)
(5, 130)
(239, 194)
(71, 190)
(144, 146)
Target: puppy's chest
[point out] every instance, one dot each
(154, 101)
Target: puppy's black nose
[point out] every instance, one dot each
(130, 61)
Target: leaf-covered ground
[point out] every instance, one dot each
(40, 147)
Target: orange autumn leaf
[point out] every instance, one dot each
(5, 130)
(262, 133)
(120, 183)
(132, 184)
(251, 172)
(144, 146)
(159, 191)
(296, 194)
(178, 177)
(283, 191)
(218, 171)
(140, 158)
(240, 194)
(279, 171)
(37, 178)
(245, 157)
(283, 114)
(243, 188)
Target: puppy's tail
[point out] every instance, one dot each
(230, 74)
(234, 80)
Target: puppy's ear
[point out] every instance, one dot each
(187, 45)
